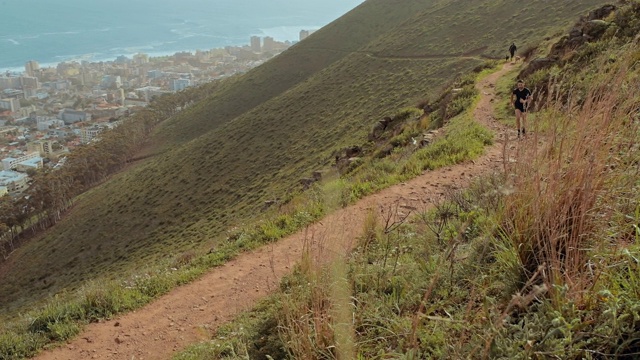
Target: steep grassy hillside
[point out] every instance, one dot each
(539, 260)
(302, 61)
(260, 133)
(483, 28)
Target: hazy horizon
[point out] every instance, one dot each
(52, 32)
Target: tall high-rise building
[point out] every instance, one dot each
(121, 96)
(255, 44)
(43, 147)
(141, 58)
(9, 82)
(304, 34)
(30, 67)
(269, 44)
(29, 82)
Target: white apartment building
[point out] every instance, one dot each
(31, 67)
(11, 104)
(88, 134)
(70, 116)
(9, 82)
(13, 180)
(43, 147)
(46, 123)
(34, 164)
(179, 84)
(11, 163)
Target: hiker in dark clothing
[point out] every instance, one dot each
(512, 50)
(521, 98)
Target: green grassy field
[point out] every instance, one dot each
(258, 134)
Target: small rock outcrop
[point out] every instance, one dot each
(537, 64)
(601, 12)
(428, 137)
(595, 28)
(427, 109)
(307, 182)
(379, 128)
(588, 28)
(346, 159)
(353, 151)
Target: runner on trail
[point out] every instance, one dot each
(512, 50)
(521, 97)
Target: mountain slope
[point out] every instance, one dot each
(289, 69)
(242, 283)
(259, 134)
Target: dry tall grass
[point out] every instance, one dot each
(317, 316)
(567, 182)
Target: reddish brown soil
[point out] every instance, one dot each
(192, 312)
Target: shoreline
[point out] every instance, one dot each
(279, 33)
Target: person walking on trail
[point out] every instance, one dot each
(521, 98)
(512, 50)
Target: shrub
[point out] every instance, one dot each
(20, 345)
(56, 320)
(111, 298)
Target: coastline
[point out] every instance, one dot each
(279, 33)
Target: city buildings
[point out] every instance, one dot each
(29, 164)
(269, 44)
(141, 59)
(48, 149)
(45, 123)
(9, 82)
(13, 180)
(179, 84)
(11, 163)
(88, 134)
(305, 34)
(31, 67)
(47, 111)
(12, 105)
(256, 45)
(70, 116)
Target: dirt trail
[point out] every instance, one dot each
(191, 312)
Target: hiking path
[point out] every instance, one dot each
(192, 312)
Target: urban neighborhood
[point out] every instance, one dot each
(47, 111)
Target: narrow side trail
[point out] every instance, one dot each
(191, 312)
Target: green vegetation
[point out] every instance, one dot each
(62, 317)
(478, 28)
(465, 139)
(539, 261)
(217, 162)
(51, 191)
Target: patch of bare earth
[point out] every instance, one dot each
(192, 312)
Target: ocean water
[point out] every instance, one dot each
(54, 31)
